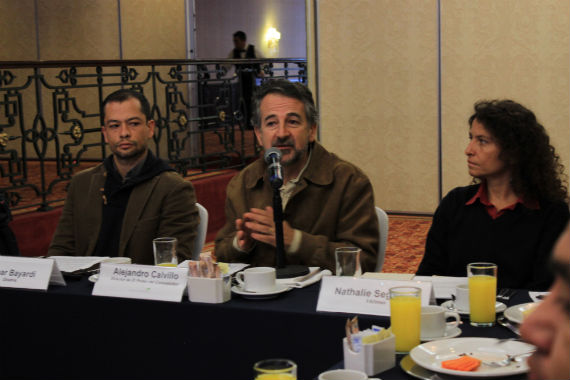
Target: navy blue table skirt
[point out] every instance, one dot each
(67, 333)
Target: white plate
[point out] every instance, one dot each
(279, 288)
(94, 277)
(449, 305)
(450, 332)
(515, 313)
(430, 355)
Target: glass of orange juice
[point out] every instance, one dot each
(405, 316)
(482, 293)
(275, 369)
(165, 251)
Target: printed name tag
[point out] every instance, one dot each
(363, 296)
(29, 273)
(141, 281)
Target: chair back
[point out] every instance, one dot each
(383, 227)
(202, 229)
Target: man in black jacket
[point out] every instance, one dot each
(246, 73)
(8, 243)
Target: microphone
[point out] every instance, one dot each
(272, 157)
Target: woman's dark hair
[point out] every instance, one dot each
(537, 173)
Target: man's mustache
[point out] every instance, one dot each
(282, 142)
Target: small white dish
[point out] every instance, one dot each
(279, 288)
(94, 277)
(430, 355)
(537, 296)
(449, 305)
(450, 332)
(517, 313)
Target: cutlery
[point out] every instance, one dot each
(307, 276)
(505, 294)
(500, 341)
(505, 323)
(506, 361)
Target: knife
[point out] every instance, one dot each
(307, 276)
(503, 322)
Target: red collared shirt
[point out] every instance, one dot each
(491, 209)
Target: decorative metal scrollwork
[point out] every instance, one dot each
(6, 78)
(176, 73)
(4, 139)
(76, 132)
(128, 74)
(57, 117)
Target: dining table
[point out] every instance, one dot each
(66, 332)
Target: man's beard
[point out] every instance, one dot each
(133, 155)
(297, 154)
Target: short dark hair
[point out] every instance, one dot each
(288, 89)
(124, 94)
(241, 35)
(536, 170)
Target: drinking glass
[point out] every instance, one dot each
(165, 251)
(347, 261)
(405, 316)
(482, 293)
(275, 369)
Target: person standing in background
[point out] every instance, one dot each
(246, 73)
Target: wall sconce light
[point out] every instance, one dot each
(273, 36)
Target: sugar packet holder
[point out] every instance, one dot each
(372, 358)
(209, 290)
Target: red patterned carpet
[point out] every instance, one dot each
(406, 241)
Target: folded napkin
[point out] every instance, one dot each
(534, 296)
(315, 275)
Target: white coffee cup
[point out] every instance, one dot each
(343, 374)
(433, 323)
(258, 279)
(462, 297)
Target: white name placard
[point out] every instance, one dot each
(141, 281)
(29, 273)
(363, 296)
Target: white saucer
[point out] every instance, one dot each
(279, 288)
(449, 305)
(94, 277)
(450, 332)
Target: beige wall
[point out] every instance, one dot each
(71, 29)
(378, 95)
(517, 49)
(153, 29)
(378, 84)
(17, 30)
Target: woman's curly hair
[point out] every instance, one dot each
(537, 173)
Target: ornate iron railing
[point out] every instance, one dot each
(50, 116)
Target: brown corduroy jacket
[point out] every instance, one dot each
(333, 206)
(165, 205)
